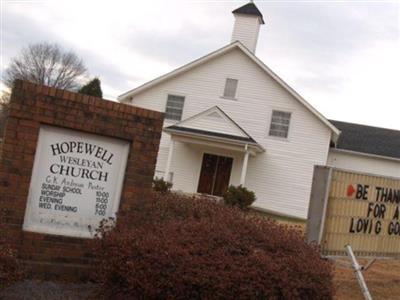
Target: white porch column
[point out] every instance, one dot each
(169, 159)
(244, 167)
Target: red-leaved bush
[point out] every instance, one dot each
(176, 247)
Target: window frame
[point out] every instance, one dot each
(236, 89)
(166, 106)
(289, 125)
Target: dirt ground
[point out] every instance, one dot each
(383, 277)
(383, 280)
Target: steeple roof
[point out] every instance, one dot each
(249, 9)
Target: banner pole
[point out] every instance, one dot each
(358, 271)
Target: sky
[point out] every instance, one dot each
(343, 57)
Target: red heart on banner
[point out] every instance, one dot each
(350, 190)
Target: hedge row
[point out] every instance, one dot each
(176, 247)
(11, 269)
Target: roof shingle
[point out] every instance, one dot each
(368, 139)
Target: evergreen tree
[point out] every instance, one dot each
(92, 88)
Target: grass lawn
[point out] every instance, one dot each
(383, 277)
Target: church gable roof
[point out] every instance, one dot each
(217, 53)
(213, 120)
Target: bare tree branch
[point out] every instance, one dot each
(47, 64)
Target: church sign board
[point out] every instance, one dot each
(68, 161)
(356, 209)
(76, 181)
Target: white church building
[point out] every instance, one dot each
(230, 120)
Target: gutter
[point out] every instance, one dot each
(370, 155)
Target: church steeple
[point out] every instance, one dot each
(248, 19)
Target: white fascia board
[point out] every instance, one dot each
(256, 146)
(177, 71)
(351, 152)
(289, 89)
(209, 110)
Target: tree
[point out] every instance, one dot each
(92, 88)
(46, 64)
(42, 63)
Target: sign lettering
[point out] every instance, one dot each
(359, 210)
(76, 182)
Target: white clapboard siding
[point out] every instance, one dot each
(281, 177)
(364, 163)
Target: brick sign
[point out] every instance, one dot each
(360, 210)
(76, 182)
(67, 161)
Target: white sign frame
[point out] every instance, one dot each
(37, 220)
(323, 185)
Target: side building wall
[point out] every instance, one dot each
(365, 163)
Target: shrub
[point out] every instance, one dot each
(92, 88)
(161, 186)
(10, 268)
(176, 247)
(239, 196)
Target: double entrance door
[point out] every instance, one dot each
(215, 174)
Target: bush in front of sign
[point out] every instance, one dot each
(10, 269)
(177, 247)
(239, 196)
(161, 186)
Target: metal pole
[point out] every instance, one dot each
(357, 269)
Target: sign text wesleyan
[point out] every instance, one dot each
(80, 167)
